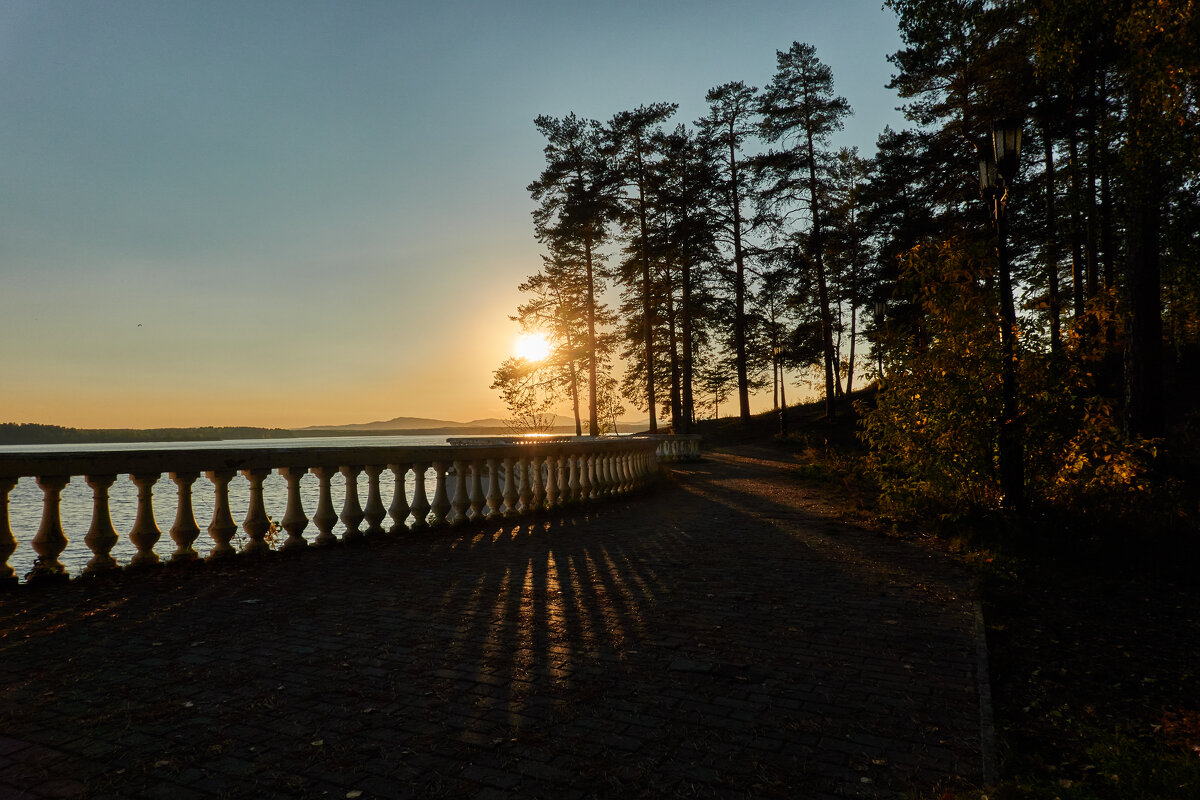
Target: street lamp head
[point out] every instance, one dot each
(1006, 145)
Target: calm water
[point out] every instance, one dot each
(25, 500)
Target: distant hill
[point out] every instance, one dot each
(18, 433)
(407, 424)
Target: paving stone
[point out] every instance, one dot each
(718, 637)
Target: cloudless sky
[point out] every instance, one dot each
(298, 213)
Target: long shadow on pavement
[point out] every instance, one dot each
(720, 637)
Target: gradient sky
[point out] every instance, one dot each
(298, 213)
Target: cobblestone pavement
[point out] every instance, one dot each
(721, 636)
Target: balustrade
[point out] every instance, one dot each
(472, 481)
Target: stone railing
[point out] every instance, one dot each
(469, 484)
(682, 447)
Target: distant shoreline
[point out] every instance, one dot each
(30, 433)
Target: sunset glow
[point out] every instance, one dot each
(212, 210)
(531, 347)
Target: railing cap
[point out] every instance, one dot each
(206, 459)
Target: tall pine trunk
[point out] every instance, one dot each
(853, 334)
(689, 407)
(817, 246)
(1053, 299)
(593, 419)
(1078, 268)
(573, 371)
(673, 354)
(739, 312)
(647, 326)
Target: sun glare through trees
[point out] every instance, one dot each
(532, 347)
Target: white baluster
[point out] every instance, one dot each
(525, 493)
(586, 476)
(101, 536)
(184, 531)
(325, 517)
(494, 498)
(8, 542)
(599, 475)
(440, 505)
(599, 481)
(399, 506)
(459, 504)
(145, 533)
(564, 479)
(537, 489)
(574, 487)
(257, 523)
(374, 513)
(420, 503)
(352, 513)
(294, 519)
(222, 528)
(510, 488)
(477, 498)
(50, 540)
(552, 482)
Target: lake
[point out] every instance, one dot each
(25, 500)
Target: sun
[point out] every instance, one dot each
(532, 347)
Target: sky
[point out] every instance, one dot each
(285, 214)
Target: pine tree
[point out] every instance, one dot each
(631, 138)
(577, 202)
(800, 112)
(729, 123)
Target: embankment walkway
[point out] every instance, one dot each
(723, 636)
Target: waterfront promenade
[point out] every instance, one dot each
(723, 635)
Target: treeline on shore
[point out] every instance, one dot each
(33, 433)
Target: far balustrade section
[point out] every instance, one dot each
(671, 447)
(678, 447)
(467, 481)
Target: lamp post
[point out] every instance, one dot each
(997, 169)
(783, 420)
